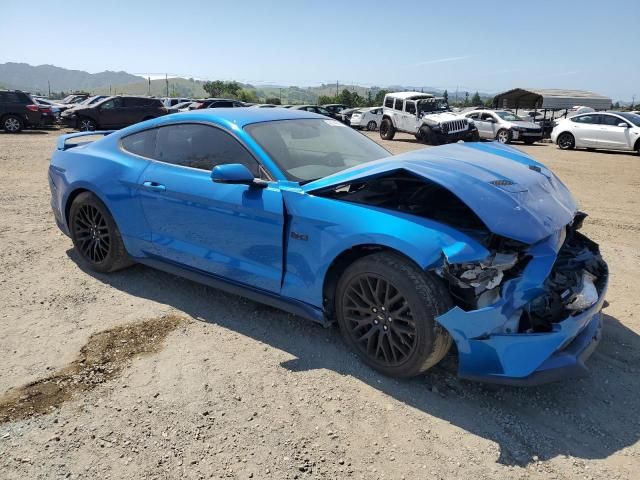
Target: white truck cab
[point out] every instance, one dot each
(425, 116)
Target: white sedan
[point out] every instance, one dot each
(606, 130)
(368, 118)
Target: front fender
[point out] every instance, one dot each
(319, 229)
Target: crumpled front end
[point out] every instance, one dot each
(528, 314)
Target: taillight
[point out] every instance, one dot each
(33, 108)
(45, 109)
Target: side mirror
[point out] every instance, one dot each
(623, 125)
(235, 174)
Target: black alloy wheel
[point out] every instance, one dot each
(92, 233)
(380, 319)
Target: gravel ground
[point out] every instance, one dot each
(233, 389)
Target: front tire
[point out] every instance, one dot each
(95, 235)
(87, 124)
(12, 124)
(427, 136)
(371, 126)
(566, 141)
(503, 136)
(387, 130)
(386, 308)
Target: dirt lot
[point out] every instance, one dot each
(226, 388)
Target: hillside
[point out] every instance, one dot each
(36, 79)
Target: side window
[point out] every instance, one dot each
(113, 103)
(388, 102)
(610, 120)
(398, 104)
(9, 97)
(486, 117)
(473, 116)
(142, 143)
(589, 119)
(202, 147)
(410, 107)
(133, 102)
(222, 104)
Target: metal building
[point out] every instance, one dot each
(550, 99)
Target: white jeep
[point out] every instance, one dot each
(425, 116)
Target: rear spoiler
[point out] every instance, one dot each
(62, 139)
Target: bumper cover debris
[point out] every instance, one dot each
(545, 321)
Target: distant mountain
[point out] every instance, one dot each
(37, 79)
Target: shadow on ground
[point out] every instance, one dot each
(589, 418)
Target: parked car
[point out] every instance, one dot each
(264, 105)
(113, 112)
(314, 109)
(216, 103)
(49, 114)
(334, 108)
(74, 98)
(368, 118)
(504, 126)
(18, 111)
(345, 115)
(181, 107)
(606, 130)
(172, 102)
(425, 116)
(407, 253)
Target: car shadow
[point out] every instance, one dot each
(587, 418)
(26, 132)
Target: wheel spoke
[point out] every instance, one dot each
(378, 318)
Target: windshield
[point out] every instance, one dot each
(632, 117)
(432, 105)
(509, 117)
(309, 149)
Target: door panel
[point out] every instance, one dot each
(233, 231)
(613, 136)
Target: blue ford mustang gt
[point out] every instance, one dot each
(475, 244)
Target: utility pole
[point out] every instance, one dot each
(149, 89)
(633, 101)
(109, 90)
(49, 84)
(166, 80)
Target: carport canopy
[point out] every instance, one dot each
(550, 99)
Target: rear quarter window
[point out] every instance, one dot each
(388, 102)
(141, 143)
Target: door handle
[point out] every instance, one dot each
(154, 186)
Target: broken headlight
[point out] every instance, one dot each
(476, 284)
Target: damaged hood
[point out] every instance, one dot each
(515, 196)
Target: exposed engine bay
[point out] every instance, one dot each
(410, 194)
(577, 276)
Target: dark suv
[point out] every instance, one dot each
(113, 112)
(18, 111)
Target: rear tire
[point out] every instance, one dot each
(12, 124)
(95, 235)
(566, 141)
(387, 130)
(386, 308)
(371, 126)
(503, 136)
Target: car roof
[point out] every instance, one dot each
(238, 117)
(410, 95)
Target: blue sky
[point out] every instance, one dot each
(483, 45)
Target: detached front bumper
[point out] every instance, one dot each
(487, 353)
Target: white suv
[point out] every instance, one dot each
(607, 130)
(426, 117)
